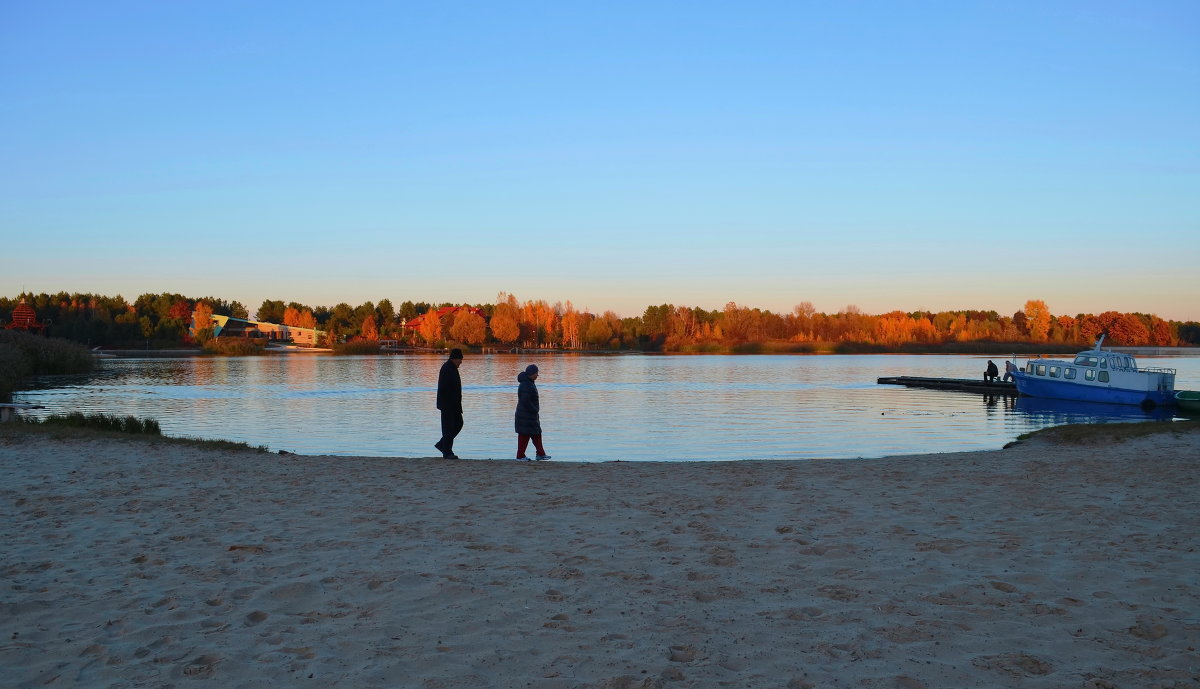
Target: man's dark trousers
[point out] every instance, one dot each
(452, 423)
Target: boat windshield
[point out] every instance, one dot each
(1085, 360)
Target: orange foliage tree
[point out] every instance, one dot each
(468, 327)
(202, 327)
(370, 331)
(1037, 319)
(431, 327)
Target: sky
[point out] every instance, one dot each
(888, 155)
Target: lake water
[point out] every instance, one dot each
(594, 408)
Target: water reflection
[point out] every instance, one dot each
(593, 407)
(1049, 412)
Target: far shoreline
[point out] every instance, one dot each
(999, 350)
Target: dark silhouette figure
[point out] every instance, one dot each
(449, 401)
(992, 373)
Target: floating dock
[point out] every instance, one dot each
(959, 384)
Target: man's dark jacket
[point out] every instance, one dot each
(449, 395)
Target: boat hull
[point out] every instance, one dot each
(1188, 401)
(1035, 386)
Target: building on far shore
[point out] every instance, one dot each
(25, 318)
(228, 326)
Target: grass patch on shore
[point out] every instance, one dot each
(1093, 433)
(81, 427)
(100, 422)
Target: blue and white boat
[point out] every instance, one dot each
(1097, 375)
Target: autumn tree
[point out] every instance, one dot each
(1160, 333)
(803, 314)
(571, 319)
(468, 327)
(1065, 329)
(431, 327)
(202, 327)
(682, 326)
(370, 331)
(1037, 320)
(506, 325)
(1090, 327)
(538, 320)
(1125, 329)
(306, 319)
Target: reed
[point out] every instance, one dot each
(233, 346)
(360, 347)
(23, 355)
(100, 422)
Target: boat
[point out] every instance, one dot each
(1188, 401)
(1097, 375)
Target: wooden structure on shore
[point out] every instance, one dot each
(25, 318)
(958, 384)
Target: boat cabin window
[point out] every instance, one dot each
(1069, 373)
(1089, 375)
(1104, 376)
(1084, 360)
(1053, 371)
(1104, 363)
(1041, 369)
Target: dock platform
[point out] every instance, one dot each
(959, 384)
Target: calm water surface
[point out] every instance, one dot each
(594, 408)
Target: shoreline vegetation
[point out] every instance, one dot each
(79, 426)
(23, 355)
(173, 321)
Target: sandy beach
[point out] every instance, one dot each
(133, 563)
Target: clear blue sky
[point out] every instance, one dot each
(891, 155)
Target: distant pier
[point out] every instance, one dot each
(959, 384)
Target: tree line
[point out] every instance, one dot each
(167, 320)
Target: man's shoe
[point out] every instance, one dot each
(438, 446)
(540, 457)
(451, 456)
(524, 457)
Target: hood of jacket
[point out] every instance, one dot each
(523, 377)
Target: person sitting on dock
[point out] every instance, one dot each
(992, 373)
(1009, 369)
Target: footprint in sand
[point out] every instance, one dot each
(203, 666)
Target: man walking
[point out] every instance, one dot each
(449, 401)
